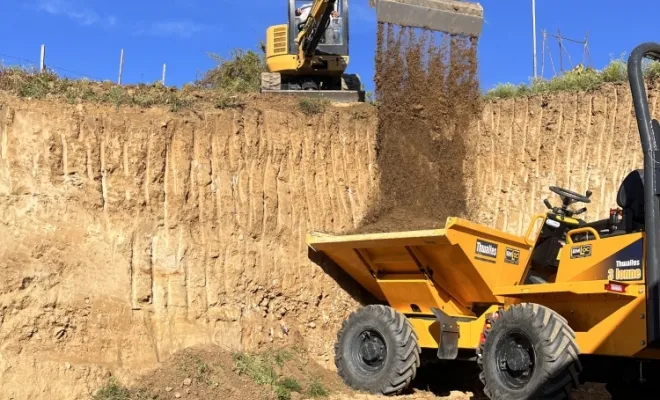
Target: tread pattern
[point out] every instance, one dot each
(406, 350)
(557, 344)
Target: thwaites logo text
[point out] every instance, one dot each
(628, 263)
(486, 249)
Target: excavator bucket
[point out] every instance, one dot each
(450, 16)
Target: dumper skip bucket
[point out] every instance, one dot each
(450, 16)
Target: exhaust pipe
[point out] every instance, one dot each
(450, 16)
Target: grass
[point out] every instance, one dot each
(240, 72)
(31, 84)
(291, 385)
(112, 390)
(258, 368)
(316, 390)
(577, 79)
(282, 356)
(311, 106)
(203, 373)
(261, 368)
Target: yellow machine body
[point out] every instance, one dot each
(466, 269)
(279, 59)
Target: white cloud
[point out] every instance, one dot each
(183, 29)
(81, 14)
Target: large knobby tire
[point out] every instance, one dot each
(377, 351)
(528, 352)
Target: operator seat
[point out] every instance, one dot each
(631, 199)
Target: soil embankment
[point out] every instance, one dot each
(131, 234)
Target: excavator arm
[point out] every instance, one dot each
(313, 30)
(450, 16)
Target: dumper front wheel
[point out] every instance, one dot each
(528, 352)
(377, 351)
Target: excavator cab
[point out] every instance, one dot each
(309, 55)
(335, 37)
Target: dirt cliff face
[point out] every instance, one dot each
(580, 141)
(129, 234)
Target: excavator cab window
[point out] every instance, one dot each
(333, 32)
(335, 37)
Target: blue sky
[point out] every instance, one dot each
(85, 36)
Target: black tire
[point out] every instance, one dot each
(386, 338)
(553, 355)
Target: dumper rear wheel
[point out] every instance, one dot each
(377, 351)
(528, 352)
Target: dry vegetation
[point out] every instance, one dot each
(240, 73)
(277, 374)
(577, 79)
(222, 86)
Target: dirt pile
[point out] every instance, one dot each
(212, 373)
(428, 94)
(272, 373)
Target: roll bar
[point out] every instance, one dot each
(649, 132)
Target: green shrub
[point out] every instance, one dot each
(577, 79)
(316, 389)
(112, 390)
(258, 368)
(311, 106)
(241, 73)
(291, 385)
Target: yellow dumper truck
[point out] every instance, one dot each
(570, 300)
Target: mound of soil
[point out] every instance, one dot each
(273, 374)
(288, 373)
(212, 373)
(427, 92)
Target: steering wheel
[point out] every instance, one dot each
(569, 194)
(568, 197)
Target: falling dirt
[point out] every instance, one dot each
(428, 94)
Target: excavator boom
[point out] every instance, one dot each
(313, 30)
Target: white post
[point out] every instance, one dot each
(534, 33)
(121, 66)
(164, 69)
(42, 59)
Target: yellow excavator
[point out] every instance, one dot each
(309, 55)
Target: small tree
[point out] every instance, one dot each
(240, 73)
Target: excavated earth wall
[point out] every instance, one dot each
(129, 234)
(582, 141)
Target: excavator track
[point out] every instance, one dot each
(350, 91)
